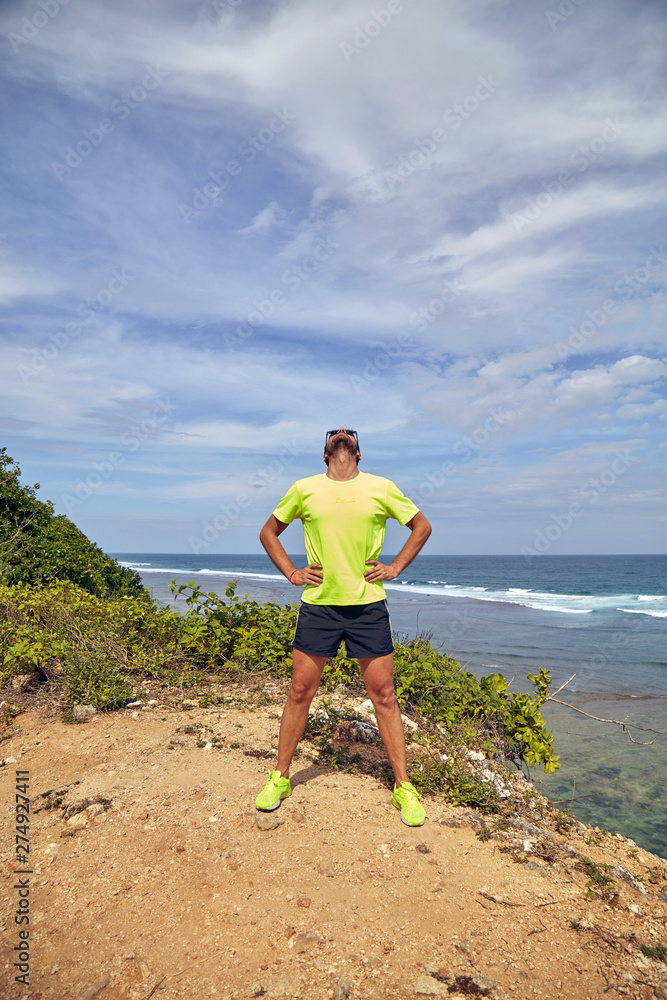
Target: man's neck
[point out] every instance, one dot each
(342, 469)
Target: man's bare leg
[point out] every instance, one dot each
(306, 676)
(378, 674)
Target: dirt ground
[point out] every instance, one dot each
(164, 885)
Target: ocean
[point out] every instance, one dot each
(602, 618)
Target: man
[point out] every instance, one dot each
(344, 512)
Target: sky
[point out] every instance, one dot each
(230, 226)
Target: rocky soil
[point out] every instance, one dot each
(152, 875)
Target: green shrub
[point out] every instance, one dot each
(59, 627)
(438, 688)
(92, 680)
(38, 546)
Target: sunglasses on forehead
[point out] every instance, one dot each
(336, 430)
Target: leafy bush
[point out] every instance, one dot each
(438, 688)
(59, 628)
(45, 627)
(38, 546)
(93, 680)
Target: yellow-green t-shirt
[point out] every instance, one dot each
(343, 524)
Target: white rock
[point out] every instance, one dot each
(83, 711)
(79, 820)
(409, 724)
(428, 986)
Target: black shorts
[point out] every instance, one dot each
(364, 628)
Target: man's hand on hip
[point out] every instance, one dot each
(311, 575)
(379, 571)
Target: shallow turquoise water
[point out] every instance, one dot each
(617, 785)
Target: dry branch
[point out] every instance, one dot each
(614, 722)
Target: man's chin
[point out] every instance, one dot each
(341, 444)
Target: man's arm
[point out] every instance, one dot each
(268, 536)
(420, 529)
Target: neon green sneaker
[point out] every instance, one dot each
(406, 799)
(275, 790)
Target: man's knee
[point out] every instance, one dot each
(383, 696)
(302, 692)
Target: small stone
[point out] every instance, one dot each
(327, 868)
(134, 704)
(267, 821)
(92, 991)
(81, 712)
(423, 849)
(364, 732)
(78, 820)
(633, 908)
(619, 872)
(11, 760)
(464, 946)
(342, 990)
(483, 983)
(474, 819)
(25, 682)
(51, 851)
(428, 986)
(128, 954)
(303, 901)
(409, 724)
(306, 942)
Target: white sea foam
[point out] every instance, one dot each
(228, 574)
(642, 611)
